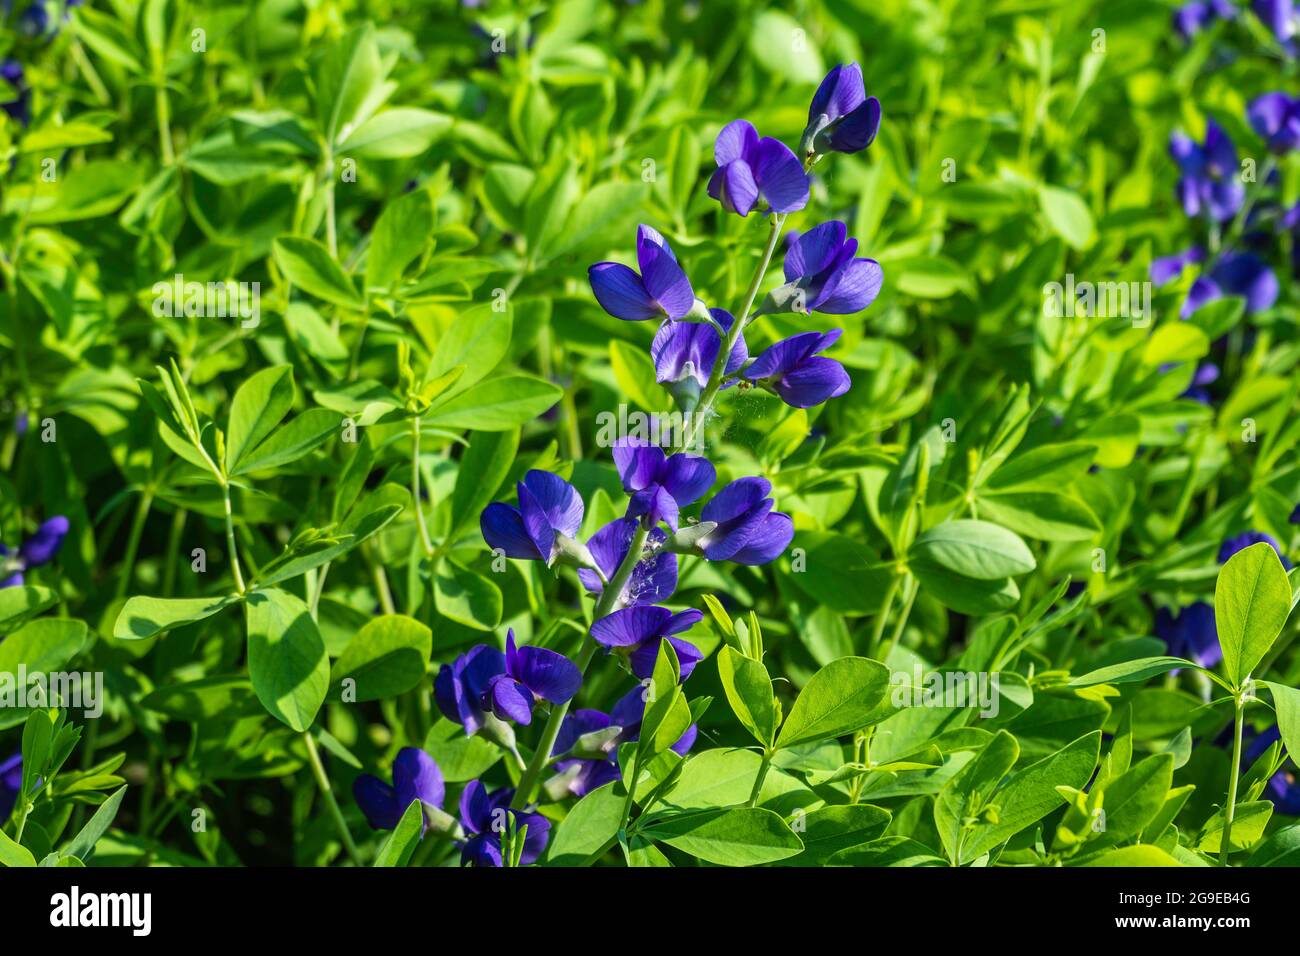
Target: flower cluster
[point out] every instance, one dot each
(39, 549)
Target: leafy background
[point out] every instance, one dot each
(420, 187)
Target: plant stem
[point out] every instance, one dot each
(911, 589)
(323, 782)
(878, 633)
(710, 392)
(230, 539)
(415, 486)
(164, 123)
(608, 598)
(1231, 808)
(133, 541)
(762, 776)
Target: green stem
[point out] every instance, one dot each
(886, 605)
(164, 123)
(425, 542)
(762, 776)
(133, 541)
(710, 392)
(1231, 809)
(323, 782)
(230, 539)
(912, 589)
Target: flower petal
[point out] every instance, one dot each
(735, 187)
(548, 674)
(852, 288)
(377, 800)
(768, 541)
(688, 477)
(558, 499)
(638, 462)
(665, 282)
(621, 292)
(736, 141)
(503, 529)
(416, 776)
(45, 543)
(814, 250)
(780, 176)
(630, 626)
(814, 381)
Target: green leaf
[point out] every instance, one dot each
(258, 406)
(399, 847)
(461, 757)
(1129, 856)
(635, 375)
(1067, 215)
(587, 827)
(1252, 599)
(143, 617)
(740, 836)
(838, 699)
(301, 436)
(14, 854)
(286, 657)
(386, 658)
(498, 404)
(467, 598)
(1248, 824)
(398, 133)
(21, 602)
(1286, 702)
(484, 465)
(1043, 515)
(1280, 849)
(1135, 670)
(1133, 800)
(41, 646)
(308, 265)
(828, 830)
(967, 794)
(83, 844)
(783, 48)
(976, 549)
(350, 83)
(399, 236)
(962, 594)
(477, 341)
(749, 691)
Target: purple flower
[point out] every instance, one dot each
(1190, 634)
(544, 525)
(1280, 18)
(1191, 18)
(484, 681)
(1244, 540)
(35, 20)
(652, 580)
(841, 118)
(1166, 269)
(11, 784)
(684, 352)
(1295, 515)
(1237, 274)
(661, 289)
(484, 816)
(1276, 118)
(1282, 788)
(637, 632)
(1209, 182)
(822, 274)
(39, 549)
(1207, 373)
(11, 72)
(531, 674)
(750, 169)
(415, 777)
(660, 485)
(748, 531)
(582, 774)
(794, 370)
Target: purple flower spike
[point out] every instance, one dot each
(748, 530)
(1276, 118)
(531, 674)
(1280, 16)
(750, 169)
(822, 274)
(651, 581)
(1209, 183)
(483, 816)
(461, 686)
(660, 485)
(1191, 18)
(637, 632)
(39, 549)
(684, 352)
(549, 515)
(583, 774)
(793, 369)
(841, 118)
(661, 289)
(1191, 634)
(415, 777)
(1244, 540)
(1237, 274)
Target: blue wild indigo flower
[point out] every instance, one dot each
(1191, 18)
(684, 352)
(660, 290)
(660, 485)
(483, 682)
(823, 275)
(39, 549)
(796, 371)
(652, 580)
(484, 817)
(1165, 269)
(1276, 118)
(1209, 183)
(841, 117)
(628, 713)
(747, 530)
(751, 169)
(638, 631)
(11, 784)
(1244, 540)
(19, 107)
(1207, 373)
(416, 776)
(1191, 633)
(545, 525)
(1282, 18)
(1241, 274)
